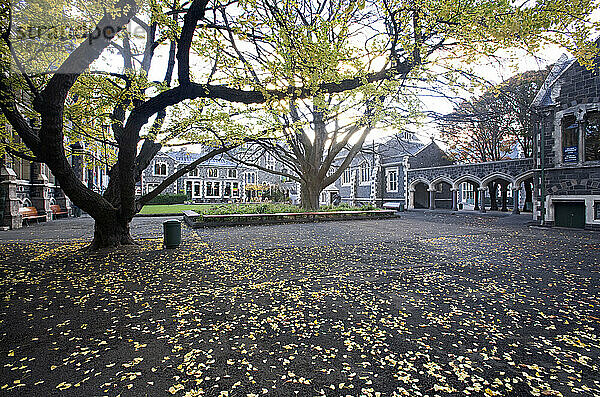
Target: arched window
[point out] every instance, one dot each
(160, 169)
(365, 173)
(570, 139)
(592, 136)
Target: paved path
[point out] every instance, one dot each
(301, 234)
(430, 304)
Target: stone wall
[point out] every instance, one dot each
(510, 169)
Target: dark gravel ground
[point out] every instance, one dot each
(428, 304)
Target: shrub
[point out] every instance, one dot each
(169, 199)
(275, 194)
(272, 208)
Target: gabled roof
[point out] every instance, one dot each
(544, 95)
(399, 147)
(392, 147)
(185, 157)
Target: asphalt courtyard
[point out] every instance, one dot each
(423, 305)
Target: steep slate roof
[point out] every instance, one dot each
(185, 157)
(544, 96)
(391, 150)
(394, 149)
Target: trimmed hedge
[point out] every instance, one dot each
(169, 199)
(272, 208)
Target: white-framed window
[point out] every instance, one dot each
(232, 173)
(250, 178)
(213, 189)
(160, 168)
(213, 172)
(391, 180)
(197, 192)
(346, 176)
(269, 161)
(467, 192)
(193, 189)
(365, 173)
(231, 189)
(193, 172)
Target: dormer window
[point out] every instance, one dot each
(160, 169)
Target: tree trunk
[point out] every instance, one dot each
(309, 195)
(528, 195)
(110, 232)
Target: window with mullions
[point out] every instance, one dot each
(592, 136)
(346, 177)
(213, 189)
(392, 180)
(365, 173)
(160, 169)
(570, 139)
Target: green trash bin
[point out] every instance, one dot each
(172, 233)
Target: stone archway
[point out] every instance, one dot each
(443, 193)
(26, 203)
(496, 183)
(421, 195)
(467, 192)
(524, 182)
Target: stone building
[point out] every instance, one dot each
(377, 175)
(217, 180)
(560, 185)
(26, 183)
(567, 157)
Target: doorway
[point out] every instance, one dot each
(570, 214)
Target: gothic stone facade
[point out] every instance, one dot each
(568, 144)
(376, 175)
(30, 184)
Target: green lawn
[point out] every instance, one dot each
(172, 208)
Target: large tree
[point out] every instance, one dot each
(75, 98)
(245, 52)
(313, 133)
(488, 127)
(311, 138)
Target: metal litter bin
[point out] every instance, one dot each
(172, 233)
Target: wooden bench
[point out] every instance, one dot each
(30, 214)
(58, 212)
(196, 220)
(394, 206)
